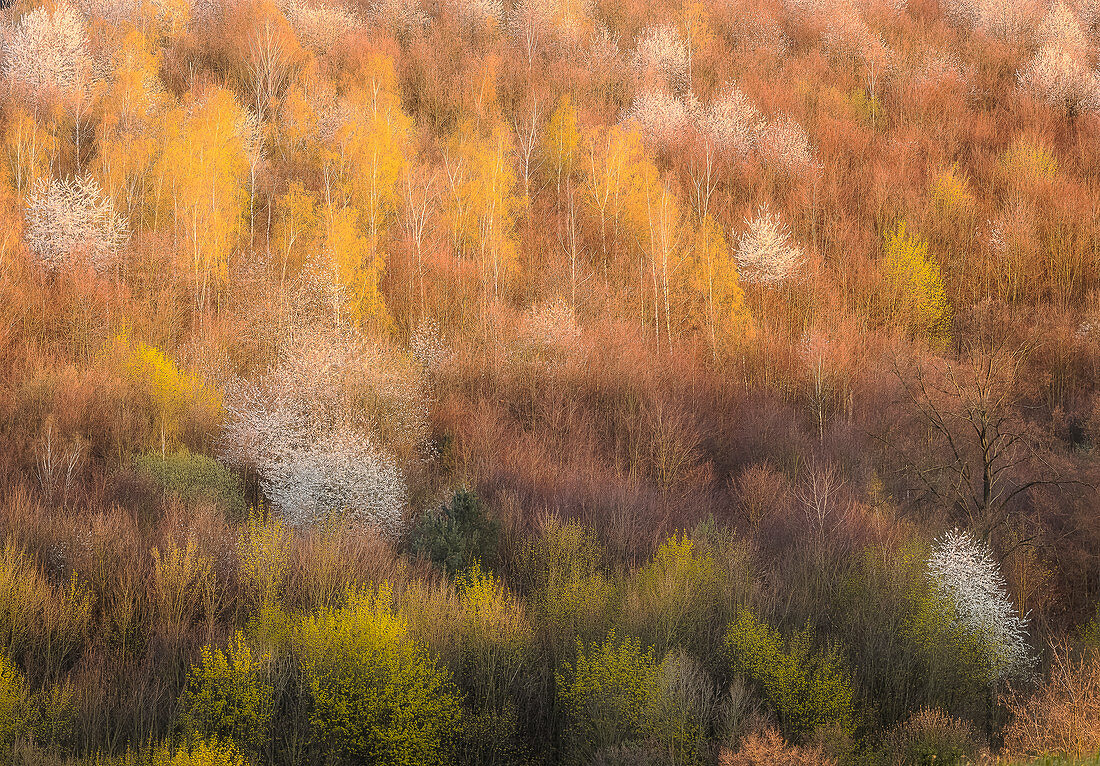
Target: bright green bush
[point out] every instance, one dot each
(207, 753)
(15, 704)
(675, 596)
(608, 694)
(457, 534)
(194, 479)
(228, 698)
(617, 695)
(569, 592)
(378, 696)
(809, 690)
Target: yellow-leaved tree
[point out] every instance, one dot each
(717, 309)
(914, 296)
(201, 180)
(561, 141)
(481, 204)
(366, 159)
(126, 134)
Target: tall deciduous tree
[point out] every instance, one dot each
(201, 178)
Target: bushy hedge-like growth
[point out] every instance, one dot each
(378, 696)
(228, 697)
(809, 690)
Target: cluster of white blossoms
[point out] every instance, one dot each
(320, 27)
(784, 142)
(47, 48)
(963, 571)
(765, 253)
(71, 218)
(1060, 71)
(662, 117)
(731, 124)
(308, 430)
(661, 52)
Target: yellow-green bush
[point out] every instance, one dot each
(915, 294)
(194, 479)
(569, 591)
(38, 618)
(378, 695)
(228, 698)
(15, 704)
(608, 694)
(180, 407)
(263, 556)
(675, 596)
(616, 694)
(199, 754)
(809, 690)
(476, 627)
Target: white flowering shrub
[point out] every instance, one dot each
(67, 219)
(661, 51)
(765, 253)
(964, 572)
(784, 142)
(341, 473)
(661, 117)
(1059, 72)
(324, 429)
(47, 48)
(732, 122)
(320, 27)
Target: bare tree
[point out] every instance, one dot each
(979, 456)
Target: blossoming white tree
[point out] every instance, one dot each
(765, 253)
(662, 117)
(662, 52)
(321, 429)
(1059, 72)
(47, 48)
(732, 122)
(69, 218)
(964, 572)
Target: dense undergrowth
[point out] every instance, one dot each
(602, 382)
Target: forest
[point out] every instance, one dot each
(515, 382)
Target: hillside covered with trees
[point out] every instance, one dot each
(612, 382)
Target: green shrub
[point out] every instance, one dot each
(199, 754)
(674, 597)
(457, 534)
(569, 593)
(194, 479)
(608, 694)
(228, 698)
(378, 696)
(15, 705)
(809, 690)
(619, 699)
